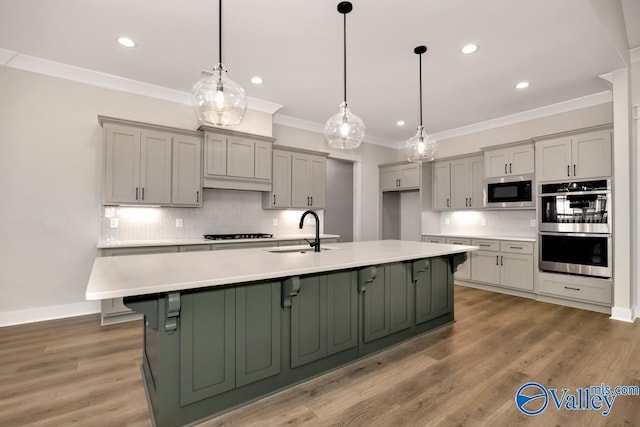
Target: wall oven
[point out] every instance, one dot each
(575, 228)
(510, 192)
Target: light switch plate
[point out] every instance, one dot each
(532, 223)
(483, 222)
(179, 222)
(275, 222)
(446, 221)
(113, 223)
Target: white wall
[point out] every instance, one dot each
(50, 185)
(372, 156)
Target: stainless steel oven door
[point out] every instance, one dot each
(578, 212)
(576, 253)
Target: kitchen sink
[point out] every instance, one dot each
(299, 249)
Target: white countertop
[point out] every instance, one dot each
(478, 236)
(129, 275)
(203, 241)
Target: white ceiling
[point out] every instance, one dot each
(296, 46)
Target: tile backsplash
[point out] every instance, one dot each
(223, 211)
(499, 223)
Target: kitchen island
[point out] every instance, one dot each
(226, 328)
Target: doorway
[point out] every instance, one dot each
(338, 215)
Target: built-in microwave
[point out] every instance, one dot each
(510, 192)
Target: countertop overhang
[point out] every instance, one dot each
(131, 275)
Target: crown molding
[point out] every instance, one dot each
(109, 81)
(284, 120)
(536, 113)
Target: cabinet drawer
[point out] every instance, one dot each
(584, 289)
(516, 247)
(434, 239)
(457, 241)
(486, 245)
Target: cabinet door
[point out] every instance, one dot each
(496, 162)
(591, 155)
(476, 194)
(485, 267)
(398, 281)
(516, 271)
(240, 157)
(441, 186)
(342, 311)
(281, 193)
(421, 275)
(300, 181)
(442, 287)
(155, 168)
(215, 152)
(257, 332)
(187, 173)
(122, 164)
(409, 176)
(318, 182)
(262, 160)
(389, 178)
(376, 308)
(207, 344)
(521, 160)
(459, 184)
(554, 159)
(309, 321)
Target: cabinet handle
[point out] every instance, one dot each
(572, 289)
(574, 169)
(470, 204)
(568, 172)
(142, 193)
(399, 182)
(448, 203)
(484, 245)
(501, 257)
(515, 247)
(505, 168)
(311, 200)
(466, 202)
(510, 171)
(274, 199)
(197, 196)
(307, 200)
(136, 193)
(497, 256)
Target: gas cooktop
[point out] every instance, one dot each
(238, 236)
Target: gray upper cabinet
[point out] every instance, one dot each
(586, 155)
(187, 173)
(149, 164)
(237, 160)
(458, 184)
(398, 177)
(280, 196)
(309, 181)
(515, 160)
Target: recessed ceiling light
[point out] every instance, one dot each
(522, 85)
(256, 80)
(126, 42)
(469, 49)
(400, 123)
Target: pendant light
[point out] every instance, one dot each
(421, 147)
(345, 130)
(218, 100)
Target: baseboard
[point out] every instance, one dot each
(622, 314)
(40, 314)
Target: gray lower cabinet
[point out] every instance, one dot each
(387, 300)
(228, 338)
(432, 299)
(324, 317)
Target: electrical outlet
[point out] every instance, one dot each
(275, 222)
(446, 221)
(532, 223)
(483, 222)
(179, 222)
(113, 223)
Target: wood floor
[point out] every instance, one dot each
(74, 372)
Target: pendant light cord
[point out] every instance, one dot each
(220, 31)
(420, 79)
(345, 56)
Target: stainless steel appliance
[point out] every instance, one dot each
(509, 192)
(237, 236)
(576, 207)
(575, 228)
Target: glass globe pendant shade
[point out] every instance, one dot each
(345, 130)
(218, 100)
(421, 147)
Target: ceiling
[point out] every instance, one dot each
(296, 47)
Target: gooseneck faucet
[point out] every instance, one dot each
(316, 243)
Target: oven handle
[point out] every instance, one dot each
(577, 193)
(548, 233)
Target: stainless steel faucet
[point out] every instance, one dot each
(316, 243)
